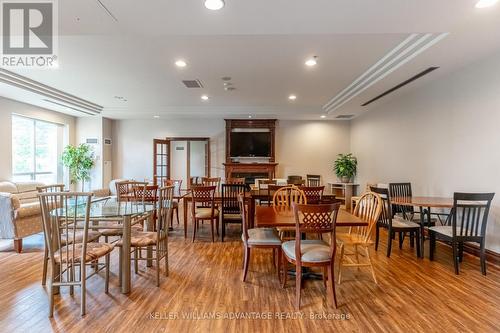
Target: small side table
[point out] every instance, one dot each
(345, 192)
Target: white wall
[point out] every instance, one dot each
(443, 137)
(7, 108)
(296, 152)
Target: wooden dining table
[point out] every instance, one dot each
(423, 202)
(271, 217)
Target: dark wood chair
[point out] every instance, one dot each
(316, 219)
(230, 209)
(203, 208)
(235, 181)
(262, 238)
(313, 180)
(314, 194)
(195, 181)
(394, 225)
(266, 185)
(469, 217)
(403, 190)
(177, 184)
(295, 180)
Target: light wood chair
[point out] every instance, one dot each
(177, 184)
(157, 240)
(284, 197)
(203, 208)
(69, 258)
(262, 238)
(368, 209)
(214, 181)
(317, 219)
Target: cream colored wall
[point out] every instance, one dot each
(133, 144)
(7, 108)
(443, 137)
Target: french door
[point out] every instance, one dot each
(161, 161)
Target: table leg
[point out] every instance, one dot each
(126, 255)
(185, 214)
(149, 250)
(422, 234)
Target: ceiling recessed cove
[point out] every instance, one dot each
(405, 51)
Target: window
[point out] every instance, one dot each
(36, 149)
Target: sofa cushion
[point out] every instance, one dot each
(28, 209)
(8, 187)
(28, 186)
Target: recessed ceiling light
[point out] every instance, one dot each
(156, 117)
(312, 61)
(214, 4)
(204, 97)
(485, 3)
(292, 97)
(180, 63)
(322, 116)
(249, 117)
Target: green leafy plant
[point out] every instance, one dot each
(345, 166)
(79, 160)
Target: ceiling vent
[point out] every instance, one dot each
(408, 49)
(402, 84)
(192, 83)
(345, 116)
(51, 94)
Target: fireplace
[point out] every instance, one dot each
(250, 177)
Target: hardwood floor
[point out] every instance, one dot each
(413, 295)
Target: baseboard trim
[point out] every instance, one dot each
(491, 257)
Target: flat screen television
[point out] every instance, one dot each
(250, 144)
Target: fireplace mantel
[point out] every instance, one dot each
(239, 168)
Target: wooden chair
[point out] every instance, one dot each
(469, 218)
(295, 180)
(68, 257)
(313, 180)
(125, 189)
(207, 181)
(194, 181)
(177, 184)
(203, 208)
(156, 240)
(317, 219)
(285, 197)
(394, 225)
(314, 194)
(235, 181)
(267, 186)
(262, 238)
(230, 209)
(369, 209)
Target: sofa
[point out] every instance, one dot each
(20, 214)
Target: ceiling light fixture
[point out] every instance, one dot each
(180, 63)
(214, 4)
(485, 3)
(204, 97)
(322, 116)
(156, 117)
(292, 97)
(312, 61)
(249, 117)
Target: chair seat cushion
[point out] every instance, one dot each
(205, 213)
(311, 250)
(232, 216)
(402, 223)
(141, 239)
(447, 230)
(94, 251)
(262, 236)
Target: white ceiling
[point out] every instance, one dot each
(261, 44)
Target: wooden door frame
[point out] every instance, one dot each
(188, 139)
(155, 143)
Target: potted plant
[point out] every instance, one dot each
(345, 167)
(79, 160)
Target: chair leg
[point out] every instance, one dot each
(278, 250)
(341, 261)
(377, 236)
(136, 265)
(212, 230)
(371, 265)
(412, 240)
(195, 226)
(223, 232)
(45, 264)
(401, 238)
(483, 258)
(455, 257)
(331, 277)
(120, 266)
(461, 252)
(158, 261)
(51, 298)
(298, 285)
(285, 270)
(246, 263)
(389, 243)
(274, 257)
(83, 289)
(417, 239)
(106, 285)
(325, 276)
(177, 215)
(166, 256)
(432, 245)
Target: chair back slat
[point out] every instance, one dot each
(470, 214)
(164, 210)
(287, 195)
(202, 196)
(230, 193)
(177, 183)
(207, 181)
(401, 190)
(235, 181)
(385, 219)
(244, 216)
(313, 180)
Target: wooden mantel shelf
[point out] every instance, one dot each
(233, 168)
